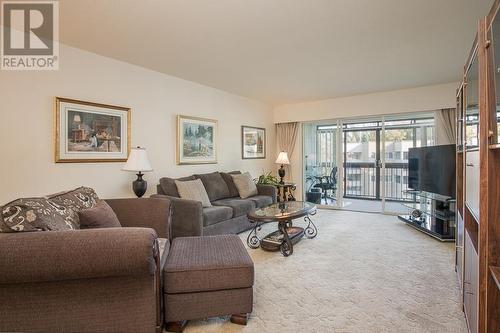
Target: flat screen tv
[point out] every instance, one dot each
(432, 169)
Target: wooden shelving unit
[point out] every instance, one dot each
(478, 179)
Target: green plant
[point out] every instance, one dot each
(267, 178)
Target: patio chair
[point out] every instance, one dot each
(327, 183)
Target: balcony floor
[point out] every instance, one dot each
(372, 206)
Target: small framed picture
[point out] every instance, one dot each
(253, 142)
(88, 132)
(196, 140)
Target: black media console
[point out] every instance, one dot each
(432, 214)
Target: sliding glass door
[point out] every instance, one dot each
(362, 165)
(399, 135)
(322, 150)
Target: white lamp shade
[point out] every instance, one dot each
(282, 158)
(138, 161)
(77, 118)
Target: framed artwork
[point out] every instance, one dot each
(253, 142)
(90, 132)
(196, 140)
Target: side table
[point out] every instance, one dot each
(285, 192)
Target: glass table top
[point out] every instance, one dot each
(283, 211)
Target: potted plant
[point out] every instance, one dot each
(267, 179)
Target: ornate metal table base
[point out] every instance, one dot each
(311, 231)
(286, 247)
(253, 241)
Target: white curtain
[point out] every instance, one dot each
(286, 136)
(445, 126)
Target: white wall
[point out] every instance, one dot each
(407, 100)
(26, 124)
(420, 99)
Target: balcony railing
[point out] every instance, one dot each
(361, 181)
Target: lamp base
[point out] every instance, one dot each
(139, 185)
(281, 173)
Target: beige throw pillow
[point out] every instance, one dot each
(193, 190)
(245, 185)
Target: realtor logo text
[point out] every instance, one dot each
(30, 34)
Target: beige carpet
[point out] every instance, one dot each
(362, 273)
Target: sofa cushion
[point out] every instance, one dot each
(36, 214)
(240, 206)
(193, 190)
(168, 185)
(215, 214)
(215, 185)
(233, 191)
(245, 185)
(207, 263)
(99, 216)
(261, 200)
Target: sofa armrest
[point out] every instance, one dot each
(269, 190)
(77, 254)
(187, 216)
(143, 213)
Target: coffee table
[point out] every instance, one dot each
(283, 213)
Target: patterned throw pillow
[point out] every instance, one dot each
(71, 202)
(34, 214)
(4, 227)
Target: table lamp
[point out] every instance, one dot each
(77, 120)
(283, 160)
(138, 161)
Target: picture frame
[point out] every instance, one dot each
(88, 132)
(253, 142)
(196, 140)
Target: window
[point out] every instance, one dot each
(405, 179)
(398, 179)
(354, 177)
(397, 155)
(405, 155)
(354, 155)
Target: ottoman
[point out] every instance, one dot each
(207, 276)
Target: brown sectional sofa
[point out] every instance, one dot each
(120, 279)
(228, 214)
(94, 280)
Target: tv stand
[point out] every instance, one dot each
(437, 215)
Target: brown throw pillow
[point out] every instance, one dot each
(99, 216)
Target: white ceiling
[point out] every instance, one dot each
(283, 51)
